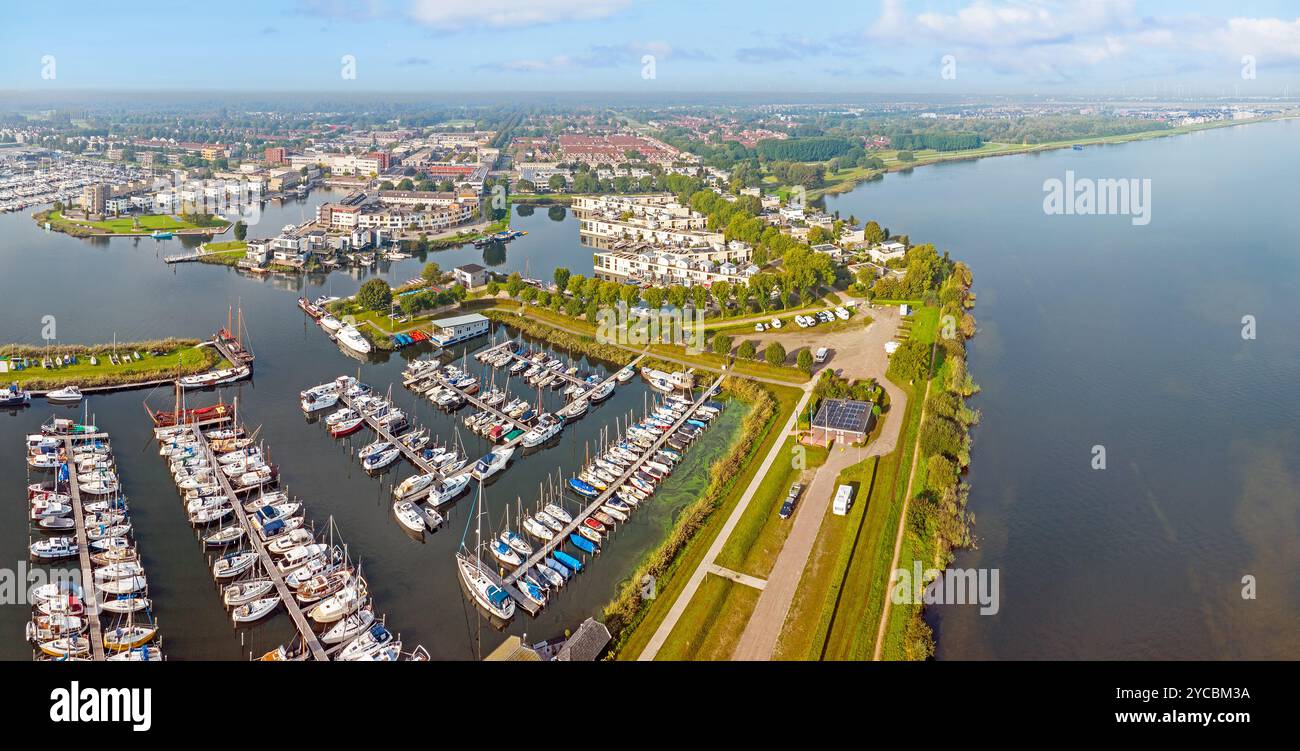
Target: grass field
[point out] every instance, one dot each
(127, 225)
(191, 359)
(712, 623)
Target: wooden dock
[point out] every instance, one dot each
(507, 582)
(254, 538)
(90, 597)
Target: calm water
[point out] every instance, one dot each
(1097, 332)
(98, 289)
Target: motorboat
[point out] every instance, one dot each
(375, 639)
(409, 516)
(242, 593)
(350, 337)
(492, 462)
(330, 323)
(347, 600)
(413, 485)
(65, 395)
(546, 428)
(448, 489)
(215, 377)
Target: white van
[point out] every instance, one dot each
(821, 354)
(843, 500)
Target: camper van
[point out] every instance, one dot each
(821, 354)
(843, 500)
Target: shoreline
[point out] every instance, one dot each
(847, 185)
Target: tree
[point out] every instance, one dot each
(941, 473)
(872, 232)
(431, 272)
(939, 435)
(747, 350)
(906, 156)
(910, 361)
(241, 230)
(561, 277)
(805, 360)
(721, 344)
(557, 182)
(411, 304)
(514, 284)
(774, 354)
(375, 294)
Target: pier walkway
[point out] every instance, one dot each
(254, 538)
(90, 595)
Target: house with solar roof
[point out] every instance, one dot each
(843, 420)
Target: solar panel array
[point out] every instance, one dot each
(843, 414)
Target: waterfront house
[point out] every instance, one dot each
(470, 276)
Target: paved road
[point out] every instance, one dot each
(697, 576)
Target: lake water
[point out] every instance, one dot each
(96, 289)
(1096, 332)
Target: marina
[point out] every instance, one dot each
(285, 553)
(290, 357)
(111, 586)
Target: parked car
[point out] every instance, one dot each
(776, 323)
(842, 314)
(791, 498)
(759, 327)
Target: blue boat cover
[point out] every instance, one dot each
(568, 560)
(582, 543)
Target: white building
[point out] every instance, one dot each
(449, 331)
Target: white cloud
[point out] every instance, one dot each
(457, 14)
(1057, 40)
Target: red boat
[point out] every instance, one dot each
(165, 419)
(347, 427)
(593, 525)
(310, 308)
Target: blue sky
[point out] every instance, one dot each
(1043, 47)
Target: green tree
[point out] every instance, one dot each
(721, 344)
(805, 360)
(375, 294)
(747, 350)
(941, 473)
(241, 230)
(557, 182)
(774, 354)
(514, 284)
(561, 277)
(431, 272)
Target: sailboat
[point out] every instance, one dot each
(487, 594)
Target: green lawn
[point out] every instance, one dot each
(225, 247)
(759, 536)
(191, 359)
(127, 225)
(712, 623)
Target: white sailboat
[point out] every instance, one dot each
(488, 595)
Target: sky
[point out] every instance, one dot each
(1019, 47)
